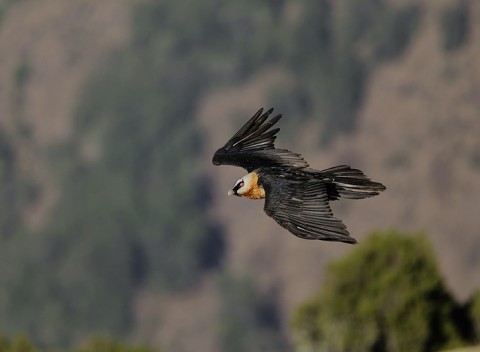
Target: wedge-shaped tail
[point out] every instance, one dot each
(344, 181)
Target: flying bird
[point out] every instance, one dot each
(296, 196)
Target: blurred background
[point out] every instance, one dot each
(114, 222)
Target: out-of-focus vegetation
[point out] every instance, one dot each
(9, 188)
(100, 344)
(455, 24)
(4, 5)
(248, 320)
(334, 47)
(386, 295)
(475, 314)
(17, 344)
(95, 344)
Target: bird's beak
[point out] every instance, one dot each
(231, 192)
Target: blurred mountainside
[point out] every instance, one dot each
(112, 218)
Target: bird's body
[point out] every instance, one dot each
(296, 196)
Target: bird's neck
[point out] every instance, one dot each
(256, 191)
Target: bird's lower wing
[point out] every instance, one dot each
(302, 208)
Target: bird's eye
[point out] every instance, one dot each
(241, 184)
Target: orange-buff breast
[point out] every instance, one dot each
(256, 192)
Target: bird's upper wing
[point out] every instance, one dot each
(301, 206)
(253, 146)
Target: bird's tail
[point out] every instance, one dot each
(344, 181)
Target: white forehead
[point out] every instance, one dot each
(247, 179)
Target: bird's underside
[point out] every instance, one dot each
(296, 196)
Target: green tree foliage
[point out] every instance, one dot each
(4, 5)
(329, 49)
(248, 320)
(474, 305)
(95, 344)
(17, 344)
(100, 344)
(8, 188)
(16, 189)
(334, 47)
(455, 26)
(225, 40)
(386, 295)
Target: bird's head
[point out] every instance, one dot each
(244, 185)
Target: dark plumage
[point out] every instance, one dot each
(296, 196)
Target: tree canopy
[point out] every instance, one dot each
(386, 295)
